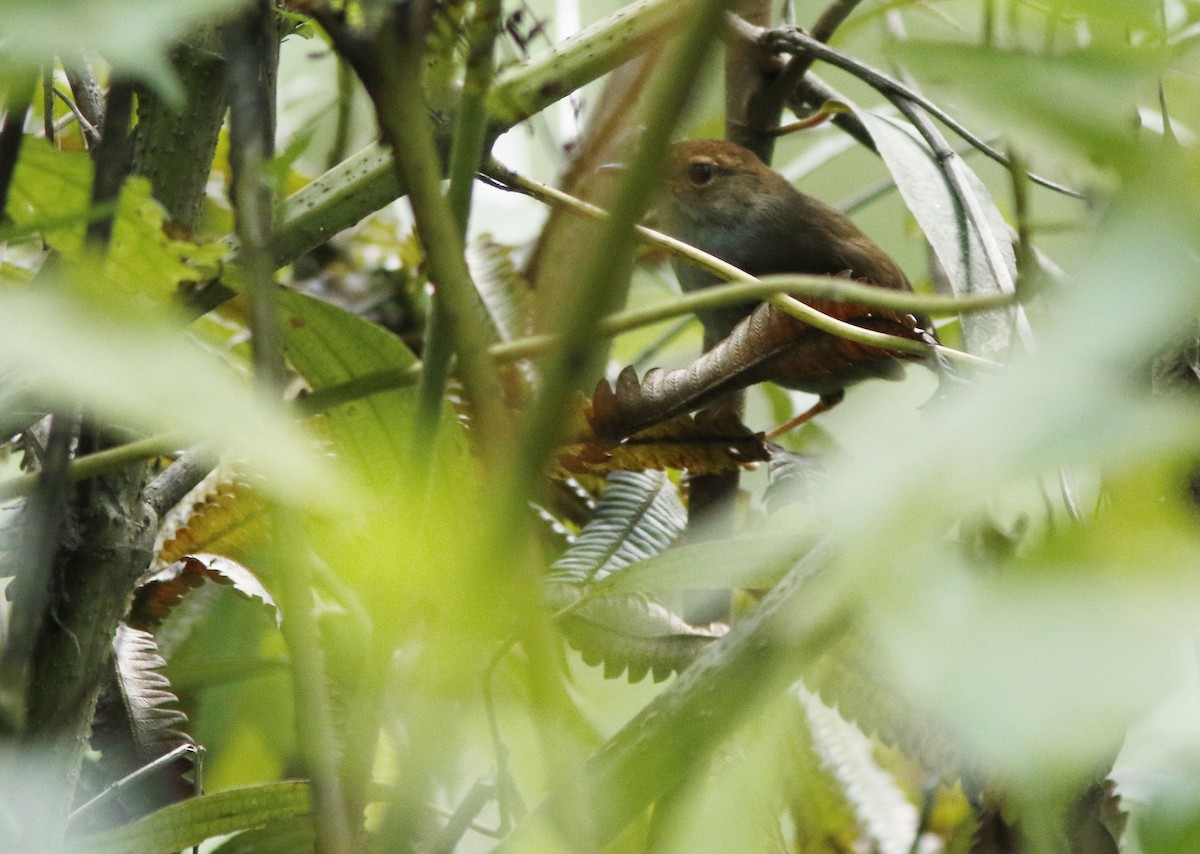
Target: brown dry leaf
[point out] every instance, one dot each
(768, 345)
(229, 520)
(713, 440)
(156, 597)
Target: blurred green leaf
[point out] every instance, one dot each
(134, 36)
(752, 561)
(192, 822)
(132, 371)
(287, 836)
(1082, 102)
(1036, 672)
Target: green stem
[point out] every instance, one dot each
(811, 287)
(314, 712)
(101, 462)
(394, 83)
(470, 135)
(470, 131)
(252, 43)
(345, 112)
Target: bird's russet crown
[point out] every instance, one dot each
(713, 181)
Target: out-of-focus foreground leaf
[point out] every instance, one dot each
(192, 822)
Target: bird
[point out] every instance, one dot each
(721, 198)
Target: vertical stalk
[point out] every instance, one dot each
(112, 158)
(466, 153)
(251, 145)
(564, 370)
(252, 48)
(12, 133)
(392, 75)
(345, 113)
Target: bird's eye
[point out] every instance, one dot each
(701, 172)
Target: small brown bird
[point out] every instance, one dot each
(721, 198)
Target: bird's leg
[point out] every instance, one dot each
(826, 403)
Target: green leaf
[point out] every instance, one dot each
(1089, 640)
(638, 516)
(329, 346)
(288, 836)
(955, 242)
(191, 822)
(142, 264)
(50, 191)
(629, 632)
(758, 561)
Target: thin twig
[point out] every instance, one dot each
(345, 113)
(508, 798)
(133, 777)
(48, 102)
(822, 30)
(814, 91)
(1026, 260)
(99, 463)
(88, 94)
(89, 130)
(463, 819)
